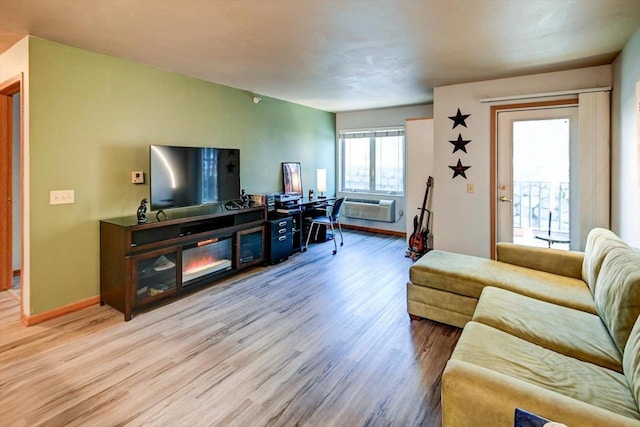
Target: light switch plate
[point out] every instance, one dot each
(61, 197)
(137, 177)
(470, 188)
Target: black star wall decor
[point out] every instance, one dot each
(231, 167)
(459, 170)
(460, 144)
(459, 119)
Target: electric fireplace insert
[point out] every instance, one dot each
(205, 258)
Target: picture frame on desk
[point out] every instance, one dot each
(292, 177)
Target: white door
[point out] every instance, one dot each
(536, 180)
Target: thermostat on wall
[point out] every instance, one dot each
(137, 177)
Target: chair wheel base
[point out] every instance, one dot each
(304, 249)
(341, 244)
(335, 252)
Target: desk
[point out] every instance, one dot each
(298, 210)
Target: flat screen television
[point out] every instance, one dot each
(192, 176)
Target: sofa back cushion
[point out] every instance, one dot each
(617, 295)
(631, 361)
(599, 242)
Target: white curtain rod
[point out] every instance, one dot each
(546, 94)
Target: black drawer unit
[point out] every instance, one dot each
(281, 239)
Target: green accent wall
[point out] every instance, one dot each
(92, 118)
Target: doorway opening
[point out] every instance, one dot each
(534, 180)
(11, 187)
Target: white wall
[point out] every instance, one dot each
(14, 60)
(461, 219)
(382, 117)
(419, 168)
(625, 144)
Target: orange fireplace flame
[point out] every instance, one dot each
(200, 263)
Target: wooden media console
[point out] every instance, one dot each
(143, 264)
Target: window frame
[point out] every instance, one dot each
(372, 133)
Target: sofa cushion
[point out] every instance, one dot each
(631, 360)
(617, 294)
(441, 306)
(505, 354)
(565, 330)
(468, 275)
(599, 242)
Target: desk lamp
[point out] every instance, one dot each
(321, 182)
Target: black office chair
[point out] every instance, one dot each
(329, 219)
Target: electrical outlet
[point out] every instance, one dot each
(61, 197)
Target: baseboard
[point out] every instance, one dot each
(374, 230)
(60, 311)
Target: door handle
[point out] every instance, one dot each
(504, 199)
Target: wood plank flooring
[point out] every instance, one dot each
(319, 340)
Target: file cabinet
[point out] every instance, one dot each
(281, 239)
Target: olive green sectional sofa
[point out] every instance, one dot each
(552, 332)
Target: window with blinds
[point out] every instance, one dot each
(372, 161)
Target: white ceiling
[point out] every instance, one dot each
(336, 55)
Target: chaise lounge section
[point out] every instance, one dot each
(553, 332)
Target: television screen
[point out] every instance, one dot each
(191, 176)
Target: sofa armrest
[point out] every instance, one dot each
(473, 396)
(556, 261)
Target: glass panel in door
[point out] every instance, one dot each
(541, 192)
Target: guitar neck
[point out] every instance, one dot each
(424, 202)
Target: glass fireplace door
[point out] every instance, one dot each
(154, 275)
(250, 247)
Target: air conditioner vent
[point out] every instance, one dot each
(372, 210)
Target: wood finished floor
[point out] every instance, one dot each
(319, 340)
